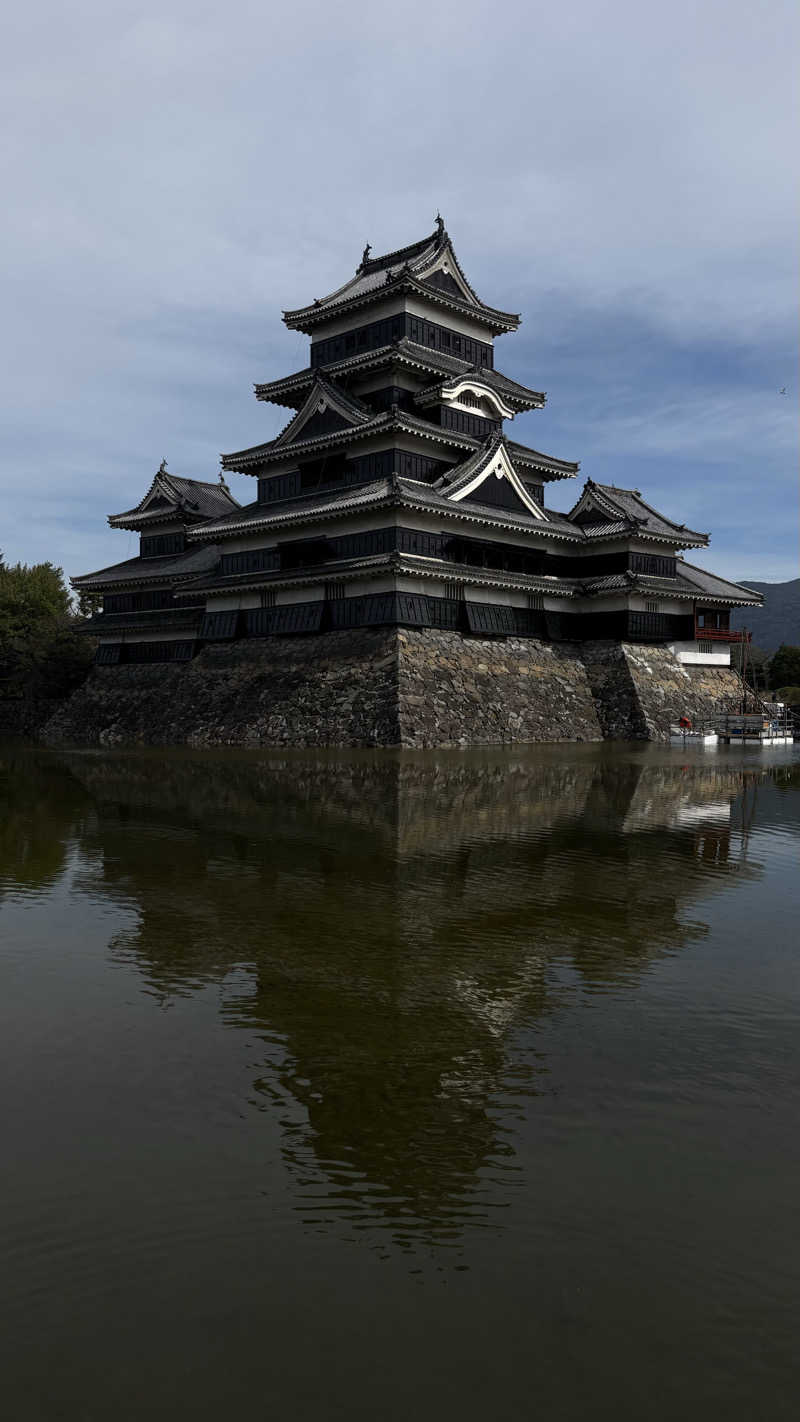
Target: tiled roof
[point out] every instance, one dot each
(388, 421)
(605, 530)
(389, 492)
(138, 570)
(534, 459)
(611, 582)
(688, 582)
(507, 390)
(713, 586)
(322, 387)
(404, 352)
(190, 498)
(628, 506)
(457, 478)
(406, 267)
(263, 515)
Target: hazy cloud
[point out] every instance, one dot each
(620, 173)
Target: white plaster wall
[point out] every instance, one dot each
(440, 316)
(415, 306)
(499, 597)
(155, 636)
(369, 587)
(403, 379)
(671, 606)
(688, 654)
(233, 602)
(365, 316)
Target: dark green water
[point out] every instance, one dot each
(385, 1087)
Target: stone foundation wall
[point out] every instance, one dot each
(617, 702)
(456, 690)
(339, 689)
(384, 686)
(664, 690)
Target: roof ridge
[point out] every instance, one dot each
(400, 254)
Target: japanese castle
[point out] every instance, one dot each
(397, 496)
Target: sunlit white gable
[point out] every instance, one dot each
(499, 467)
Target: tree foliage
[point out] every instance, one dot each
(41, 651)
(784, 667)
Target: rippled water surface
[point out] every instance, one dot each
(368, 1085)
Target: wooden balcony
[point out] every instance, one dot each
(720, 634)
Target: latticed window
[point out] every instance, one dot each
(536, 602)
(705, 646)
(454, 589)
(651, 606)
(268, 597)
(334, 592)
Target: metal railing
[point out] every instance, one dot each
(720, 634)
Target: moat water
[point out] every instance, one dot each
(387, 1086)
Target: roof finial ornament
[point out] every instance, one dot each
(365, 255)
(162, 468)
(439, 226)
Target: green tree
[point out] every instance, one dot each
(88, 603)
(41, 651)
(784, 667)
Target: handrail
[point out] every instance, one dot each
(720, 634)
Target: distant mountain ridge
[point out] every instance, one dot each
(778, 620)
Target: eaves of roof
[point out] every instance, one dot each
(405, 353)
(187, 499)
(148, 570)
(627, 505)
(133, 521)
(400, 564)
(382, 493)
(307, 318)
(387, 422)
(382, 423)
(707, 585)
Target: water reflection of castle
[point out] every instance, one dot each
(399, 922)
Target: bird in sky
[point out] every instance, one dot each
(783, 391)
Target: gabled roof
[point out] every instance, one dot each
(429, 268)
(458, 385)
(171, 497)
(489, 463)
(625, 511)
(198, 559)
(324, 396)
(291, 389)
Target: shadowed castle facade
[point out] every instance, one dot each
(396, 495)
(398, 577)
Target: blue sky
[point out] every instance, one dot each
(620, 173)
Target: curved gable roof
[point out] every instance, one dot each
(625, 510)
(170, 496)
(410, 267)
